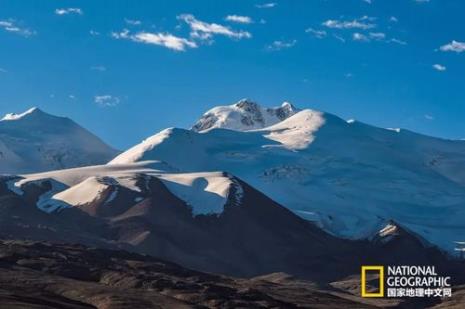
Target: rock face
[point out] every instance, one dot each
(35, 141)
(242, 116)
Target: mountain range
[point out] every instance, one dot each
(246, 192)
(347, 177)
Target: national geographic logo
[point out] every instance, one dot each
(380, 271)
(403, 281)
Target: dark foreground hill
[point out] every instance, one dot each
(44, 275)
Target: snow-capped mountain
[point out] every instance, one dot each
(349, 177)
(36, 141)
(242, 116)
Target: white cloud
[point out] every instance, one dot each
(106, 100)
(72, 97)
(397, 41)
(2, 70)
(99, 68)
(68, 11)
(360, 23)
(378, 36)
(453, 46)
(367, 1)
(316, 33)
(239, 19)
(266, 5)
(162, 39)
(204, 31)
(421, 1)
(11, 25)
(279, 45)
(340, 38)
(428, 117)
(439, 67)
(124, 34)
(133, 22)
(374, 36)
(361, 27)
(94, 33)
(360, 37)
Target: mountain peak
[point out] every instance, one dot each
(32, 111)
(243, 116)
(247, 104)
(288, 105)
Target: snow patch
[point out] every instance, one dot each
(206, 193)
(87, 191)
(389, 229)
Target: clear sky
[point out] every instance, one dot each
(127, 69)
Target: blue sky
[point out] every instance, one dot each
(127, 69)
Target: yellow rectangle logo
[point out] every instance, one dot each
(380, 270)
